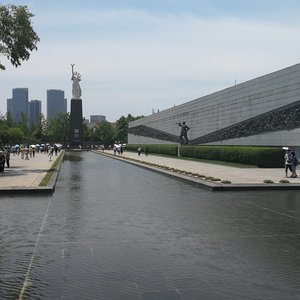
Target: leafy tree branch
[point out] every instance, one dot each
(17, 36)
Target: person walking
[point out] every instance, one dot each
(50, 154)
(139, 150)
(146, 151)
(26, 153)
(294, 164)
(288, 161)
(22, 151)
(7, 156)
(2, 161)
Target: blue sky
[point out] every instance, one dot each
(136, 56)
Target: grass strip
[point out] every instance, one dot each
(49, 174)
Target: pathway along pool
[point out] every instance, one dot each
(116, 231)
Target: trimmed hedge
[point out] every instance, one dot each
(263, 157)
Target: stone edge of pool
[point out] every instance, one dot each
(206, 184)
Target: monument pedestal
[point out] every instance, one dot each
(76, 131)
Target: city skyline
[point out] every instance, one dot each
(34, 106)
(142, 56)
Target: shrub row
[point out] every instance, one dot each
(263, 157)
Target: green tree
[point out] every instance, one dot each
(11, 135)
(4, 137)
(9, 119)
(24, 124)
(17, 37)
(58, 128)
(122, 127)
(2, 121)
(88, 133)
(39, 129)
(104, 133)
(15, 135)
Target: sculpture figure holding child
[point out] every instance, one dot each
(76, 90)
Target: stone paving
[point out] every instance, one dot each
(26, 173)
(236, 175)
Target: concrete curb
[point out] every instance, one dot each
(208, 185)
(53, 179)
(44, 190)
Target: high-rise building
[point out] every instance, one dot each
(18, 104)
(56, 103)
(35, 110)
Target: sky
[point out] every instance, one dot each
(140, 56)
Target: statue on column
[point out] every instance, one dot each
(76, 90)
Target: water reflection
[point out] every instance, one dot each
(116, 231)
(72, 156)
(292, 203)
(74, 197)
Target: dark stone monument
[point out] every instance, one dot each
(76, 111)
(76, 123)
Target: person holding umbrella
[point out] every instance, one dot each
(17, 147)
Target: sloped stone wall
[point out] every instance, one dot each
(262, 111)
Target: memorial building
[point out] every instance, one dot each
(264, 111)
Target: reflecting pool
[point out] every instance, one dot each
(117, 231)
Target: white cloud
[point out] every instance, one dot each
(132, 61)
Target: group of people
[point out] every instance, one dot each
(26, 153)
(118, 148)
(53, 149)
(291, 162)
(140, 150)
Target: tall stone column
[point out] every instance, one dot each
(76, 130)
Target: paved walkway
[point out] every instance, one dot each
(235, 175)
(26, 173)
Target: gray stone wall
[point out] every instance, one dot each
(262, 111)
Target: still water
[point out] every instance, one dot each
(116, 231)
